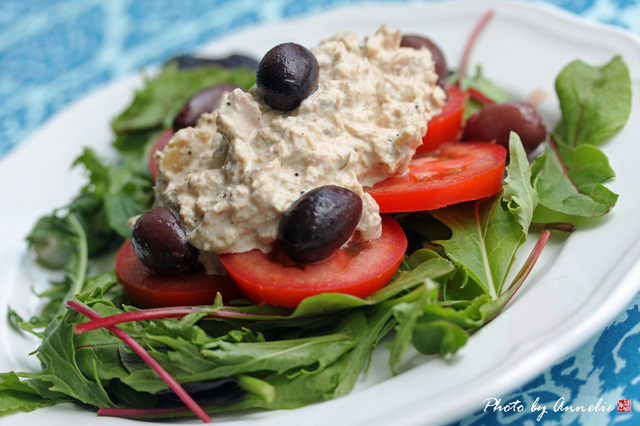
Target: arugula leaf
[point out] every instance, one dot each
(406, 314)
(436, 326)
(520, 197)
(113, 195)
(69, 234)
(486, 234)
(313, 363)
(52, 240)
(438, 337)
(296, 372)
(595, 104)
(118, 191)
(57, 355)
(27, 395)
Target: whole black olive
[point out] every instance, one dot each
(318, 223)
(287, 74)
(205, 100)
(439, 60)
(162, 244)
(497, 121)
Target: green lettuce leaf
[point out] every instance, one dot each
(487, 233)
(595, 104)
(57, 355)
(26, 395)
(68, 234)
(571, 180)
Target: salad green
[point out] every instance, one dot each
(267, 357)
(595, 104)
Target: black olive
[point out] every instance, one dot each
(497, 121)
(438, 57)
(319, 223)
(205, 100)
(162, 244)
(287, 74)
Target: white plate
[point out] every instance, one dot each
(577, 288)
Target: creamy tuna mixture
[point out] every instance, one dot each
(234, 174)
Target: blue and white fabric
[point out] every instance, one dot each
(55, 52)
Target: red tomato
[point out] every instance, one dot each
(159, 144)
(146, 289)
(457, 172)
(358, 270)
(446, 126)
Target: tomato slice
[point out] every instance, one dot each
(158, 145)
(358, 270)
(146, 289)
(457, 172)
(446, 126)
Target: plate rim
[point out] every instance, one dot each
(631, 275)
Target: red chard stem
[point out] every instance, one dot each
(467, 51)
(138, 349)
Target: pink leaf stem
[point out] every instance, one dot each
(529, 264)
(479, 96)
(162, 313)
(132, 316)
(137, 348)
(467, 51)
(131, 413)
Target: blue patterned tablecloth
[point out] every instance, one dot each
(54, 52)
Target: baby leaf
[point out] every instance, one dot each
(595, 102)
(57, 354)
(487, 233)
(71, 236)
(26, 395)
(571, 180)
(439, 337)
